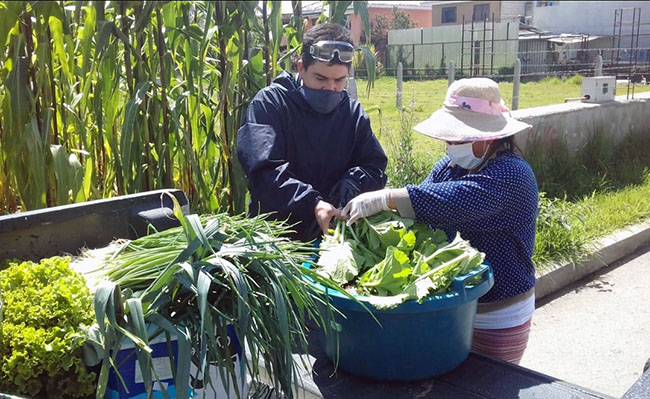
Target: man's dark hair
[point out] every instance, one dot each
(320, 32)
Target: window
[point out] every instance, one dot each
(448, 15)
(481, 12)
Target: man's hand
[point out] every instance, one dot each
(324, 212)
(366, 204)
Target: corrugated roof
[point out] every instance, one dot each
(566, 39)
(531, 33)
(314, 7)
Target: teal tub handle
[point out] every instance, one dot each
(487, 280)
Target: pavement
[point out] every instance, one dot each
(592, 323)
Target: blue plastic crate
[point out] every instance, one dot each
(129, 369)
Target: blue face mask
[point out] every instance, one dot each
(322, 101)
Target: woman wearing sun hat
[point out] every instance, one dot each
(488, 193)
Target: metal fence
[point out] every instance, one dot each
(484, 48)
(490, 49)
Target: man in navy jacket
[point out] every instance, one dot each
(305, 145)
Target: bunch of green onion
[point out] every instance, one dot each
(193, 281)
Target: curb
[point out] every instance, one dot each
(611, 248)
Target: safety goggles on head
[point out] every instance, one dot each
(326, 49)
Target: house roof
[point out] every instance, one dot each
(527, 32)
(570, 38)
(315, 7)
(413, 5)
(437, 3)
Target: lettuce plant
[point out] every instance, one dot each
(44, 310)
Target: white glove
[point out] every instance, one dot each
(366, 204)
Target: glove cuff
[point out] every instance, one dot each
(385, 200)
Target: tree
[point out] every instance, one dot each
(379, 35)
(402, 19)
(382, 24)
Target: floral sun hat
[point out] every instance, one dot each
(473, 111)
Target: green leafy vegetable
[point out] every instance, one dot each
(45, 310)
(388, 276)
(337, 260)
(391, 259)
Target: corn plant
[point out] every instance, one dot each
(108, 98)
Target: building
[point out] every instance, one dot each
(418, 11)
(623, 28)
(428, 13)
(444, 13)
(543, 52)
(482, 49)
(584, 17)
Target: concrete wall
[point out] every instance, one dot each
(512, 10)
(574, 123)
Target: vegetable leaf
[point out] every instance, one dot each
(390, 259)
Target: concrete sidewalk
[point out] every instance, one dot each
(592, 324)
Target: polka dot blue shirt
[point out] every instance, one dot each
(495, 209)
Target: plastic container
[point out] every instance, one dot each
(415, 341)
(132, 376)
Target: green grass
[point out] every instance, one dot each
(568, 230)
(589, 194)
(612, 210)
(585, 195)
(426, 96)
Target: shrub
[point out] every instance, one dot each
(575, 79)
(403, 167)
(505, 74)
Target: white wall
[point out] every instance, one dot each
(510, 10)
(590, 17)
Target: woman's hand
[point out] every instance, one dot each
(366, 204)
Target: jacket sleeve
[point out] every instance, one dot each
(261, 151)
(366, 170)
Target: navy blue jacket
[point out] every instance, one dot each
(294, 157)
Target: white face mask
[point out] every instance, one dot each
(463, 155)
